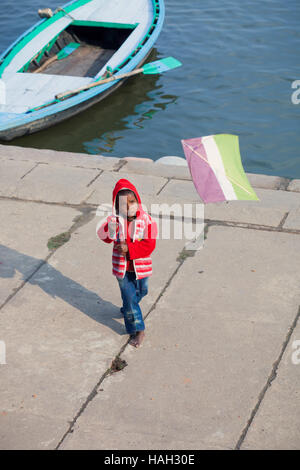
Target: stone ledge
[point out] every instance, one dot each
(294, 186)
(54, 184)
(267, 181)
(145, 166)
(138, 165)
(59, 158)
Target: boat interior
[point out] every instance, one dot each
(71, 51)
(97, 44)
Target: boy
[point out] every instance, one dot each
(134, 235)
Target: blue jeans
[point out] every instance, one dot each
(132, 291)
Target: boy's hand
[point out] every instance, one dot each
(122, 248)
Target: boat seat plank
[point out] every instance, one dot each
(86, 61)
(25, 91)
(85, 11)
(116, 11)
(123, 11)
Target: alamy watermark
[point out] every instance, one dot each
(176, 221)
(296, 353)
(2, 353)
(296, 94)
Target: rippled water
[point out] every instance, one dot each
(240, 59)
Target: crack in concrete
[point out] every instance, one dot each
(29, 171)
(282, 222)
(119, 165)
(49, 203)
(94, 179)
(90, 397)
(270, 379)
(163, 186)
(250, 226)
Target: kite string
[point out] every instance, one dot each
(215, 169)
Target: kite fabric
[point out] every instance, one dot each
(216, 168)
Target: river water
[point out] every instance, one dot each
(240, 59)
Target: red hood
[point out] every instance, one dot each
(125, 184)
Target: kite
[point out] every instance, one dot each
(216, 168)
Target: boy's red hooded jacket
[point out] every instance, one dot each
(140, 236)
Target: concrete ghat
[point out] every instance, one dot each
(214, 342)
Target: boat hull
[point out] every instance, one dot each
(53, 119)
(44, 115)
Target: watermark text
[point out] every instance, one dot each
(2, 353)
(296, 94)
(296, 353)
(172, 221)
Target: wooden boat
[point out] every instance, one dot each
(83, 42)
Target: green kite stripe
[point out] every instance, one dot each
(216, 168)
(228, 146)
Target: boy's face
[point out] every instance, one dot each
(128, 205)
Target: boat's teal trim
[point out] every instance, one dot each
(158, 6)
(11, 46)
(104, 25)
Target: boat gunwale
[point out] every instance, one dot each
(29, 30)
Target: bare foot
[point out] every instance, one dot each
(137, 340)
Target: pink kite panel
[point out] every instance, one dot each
(202, 174)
